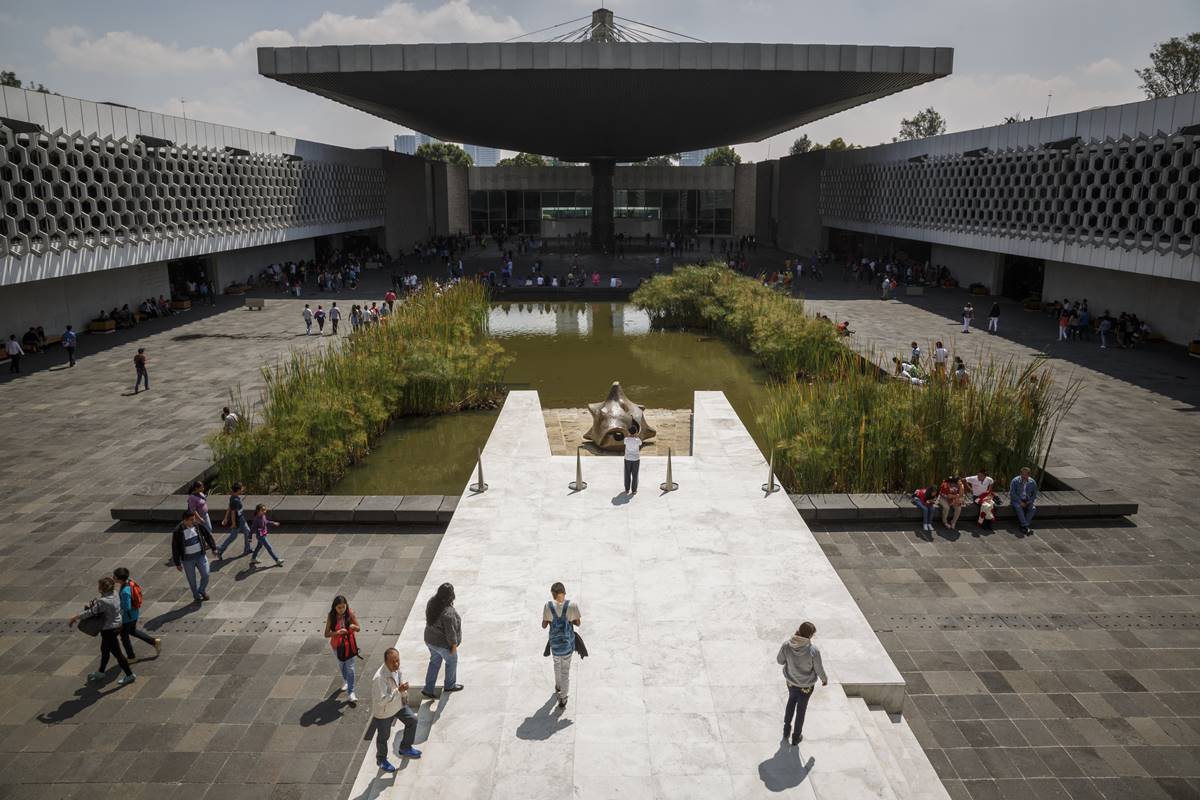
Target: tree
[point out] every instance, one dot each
(801, 145)
(1014, 118)
(522, 160)
(444, 151)
(834, 144)
(9, 78)
(1174, 68)
(723, 156)
(665, 160)
(925, 123)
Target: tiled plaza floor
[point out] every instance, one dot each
(1067, 664)
(240, 703)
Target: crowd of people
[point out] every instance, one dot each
(1076, 323)
(915, 370)
(953, 494)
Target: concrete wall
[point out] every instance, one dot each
(1172, 307)
(630, 177)
(408, 204)
(766, 197)
(970, 266)
(233, 266)
(745, 197)
(74, 300)
(458, 200)
(799, 220)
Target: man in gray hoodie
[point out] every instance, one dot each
(801, 667)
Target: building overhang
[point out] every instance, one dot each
(585, 101)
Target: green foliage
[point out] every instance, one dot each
(835, 144)
(321, 413)
(723, 156)
(9, 78)
(840, 425)
(801, 145)
(444, 151)
(522, 160)
(668, 160)
(1174, 67)
(922, 124)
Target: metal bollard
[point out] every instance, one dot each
(578, 485)
(770, 486)
(668, 485)
(479, 486)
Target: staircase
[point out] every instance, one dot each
(899, 755)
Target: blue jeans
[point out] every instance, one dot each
(244, 529)
(797, 708)
(347, 668)
(926, 510)
(142, 375)
(263, 543)
(1025, 515)
(436, 656)
(193, 565)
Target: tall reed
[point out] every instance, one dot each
(839, 423)
(321, 413)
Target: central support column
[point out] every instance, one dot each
(602, 204)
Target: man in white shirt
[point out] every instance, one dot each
(13, 348)
(981, 494)
(633, 447)
(389, 702)
(940, 356)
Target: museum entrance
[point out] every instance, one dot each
(186, 274)
(1023, 277)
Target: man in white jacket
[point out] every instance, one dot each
(389, 702)
(801, 667)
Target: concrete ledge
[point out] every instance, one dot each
(1109, 503)
(898, 508)
(295, 508)
(377, 508)
(170, 509)
(419, 508)
(447, 508)
(834, 507)
(139, 507)
(336, 508)
(874, 506)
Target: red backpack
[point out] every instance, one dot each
(135, 594)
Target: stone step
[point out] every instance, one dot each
(919, 780)
(892, 766)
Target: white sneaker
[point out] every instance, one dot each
(345, 686)
(353, 698)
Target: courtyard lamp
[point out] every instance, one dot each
(578, 485)
(479, 486)
(668, 485)
(770, 487)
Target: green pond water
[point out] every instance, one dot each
(570, 353)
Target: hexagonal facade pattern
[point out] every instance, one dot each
(1130, 193)
(62, 191)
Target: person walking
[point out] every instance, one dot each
(235, 518)
(340, 627)
(885, 288)
(802, 667)
(229, 419)
(68, 340)
(319, 316)
(260, 527)
(968, 314)
(139, 367)
(389, 701)
(130, 595)
(925, 499)
(633, 458)
(443, 633)
(1105, 327)
(1022, 493)
(189, 541)
(13, 348)
(108, 607)
(561, 617)
(197, 503)
(335, 314)
(308, 319)
(994, 318)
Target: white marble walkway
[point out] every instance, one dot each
(685, 598)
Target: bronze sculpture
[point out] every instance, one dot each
(611, 420)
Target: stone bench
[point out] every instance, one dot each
(292, 509)
(824, 508)
(254, 303)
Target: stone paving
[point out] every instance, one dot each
(241, 703)
(1065, 665)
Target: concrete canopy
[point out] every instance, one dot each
(603, 101)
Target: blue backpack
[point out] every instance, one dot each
(562, 632)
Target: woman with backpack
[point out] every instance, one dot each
(131, 604)
(107, 609)
(443, 632)
(340, 627)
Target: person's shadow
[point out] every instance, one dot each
(85, 697)
(170, 616)
(543, 724)
(621, 499)
(327, 711)
(784, 770)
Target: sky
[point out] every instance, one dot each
(1011, 57)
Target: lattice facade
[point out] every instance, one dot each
(1136, 194)
(62, 192)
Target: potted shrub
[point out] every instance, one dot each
(1032, 303)
(978, 288)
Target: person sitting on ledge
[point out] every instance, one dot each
(843, 328)
(29, 341)
(102, 316)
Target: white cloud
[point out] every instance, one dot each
(118, 51)
(1104, 67)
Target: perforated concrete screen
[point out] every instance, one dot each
(1136, 194)
(61, 192)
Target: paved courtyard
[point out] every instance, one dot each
(1065, 665)
(1062, 665)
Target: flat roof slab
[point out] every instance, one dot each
(620, 100)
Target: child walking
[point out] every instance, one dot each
(234, 518)
(261, 523)
(131, 608)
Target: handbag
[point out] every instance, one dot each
(347, 647)
(91, 625)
